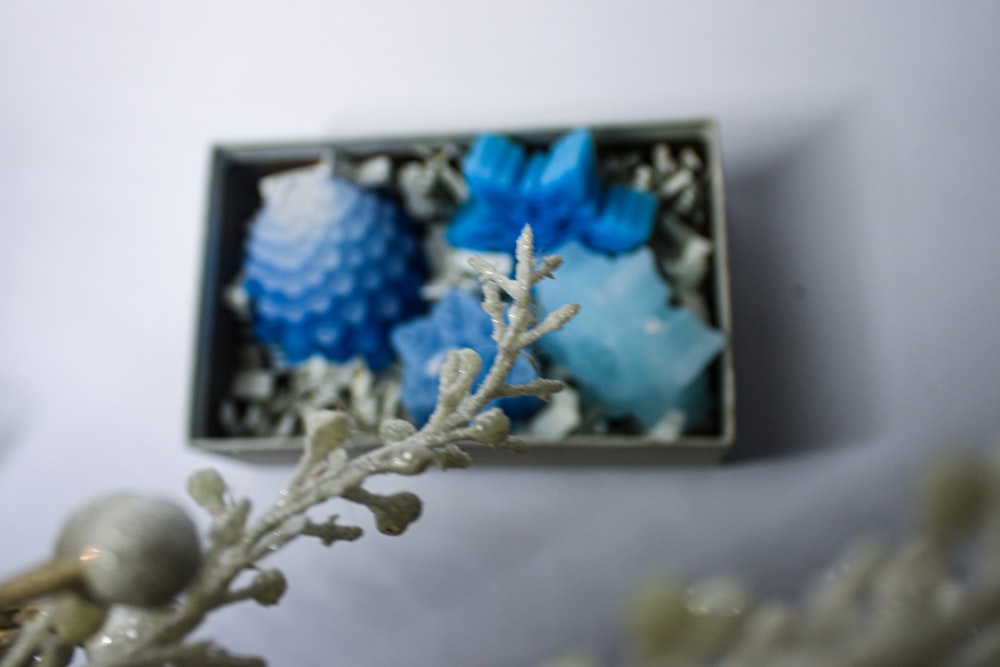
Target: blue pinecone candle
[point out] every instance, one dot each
(330, 268)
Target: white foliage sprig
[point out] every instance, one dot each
(134, 636)
(933, 601)
(325, 471)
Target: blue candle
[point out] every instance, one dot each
(557, 192)
(330, 268)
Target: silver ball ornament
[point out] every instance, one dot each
(133, 550)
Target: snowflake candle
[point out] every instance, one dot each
(629, 350)
(557, 192)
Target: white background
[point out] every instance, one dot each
(862, 149)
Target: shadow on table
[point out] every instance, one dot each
(800, 267)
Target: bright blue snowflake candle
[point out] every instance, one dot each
(330, 268)
(628, 350)
(557, 192)
(456, 321)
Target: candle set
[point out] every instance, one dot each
(352, 284)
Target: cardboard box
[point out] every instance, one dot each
(233, 198)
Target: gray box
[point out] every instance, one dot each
(233, 198)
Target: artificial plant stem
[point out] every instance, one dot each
(41, 580)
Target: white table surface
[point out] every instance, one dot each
(861, 144)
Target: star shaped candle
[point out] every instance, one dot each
(456, 321)
(629, 350)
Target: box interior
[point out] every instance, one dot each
(233, 199)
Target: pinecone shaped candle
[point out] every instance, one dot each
(330, 268)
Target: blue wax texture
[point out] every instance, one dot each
(456, 321)
(330, 269)
(557, 192)
(628, 349)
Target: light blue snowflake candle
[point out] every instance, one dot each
(330, 268)
(628, 350)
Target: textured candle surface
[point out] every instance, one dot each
(330, 268)
(557, 192)
(629, 350)
(456, 321)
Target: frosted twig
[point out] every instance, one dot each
(325, 471)
(552, 322)
(28, 641)
(541, 387)
(873, 608)
(201, 654)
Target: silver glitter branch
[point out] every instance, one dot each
(156, 636)
(934, 601)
